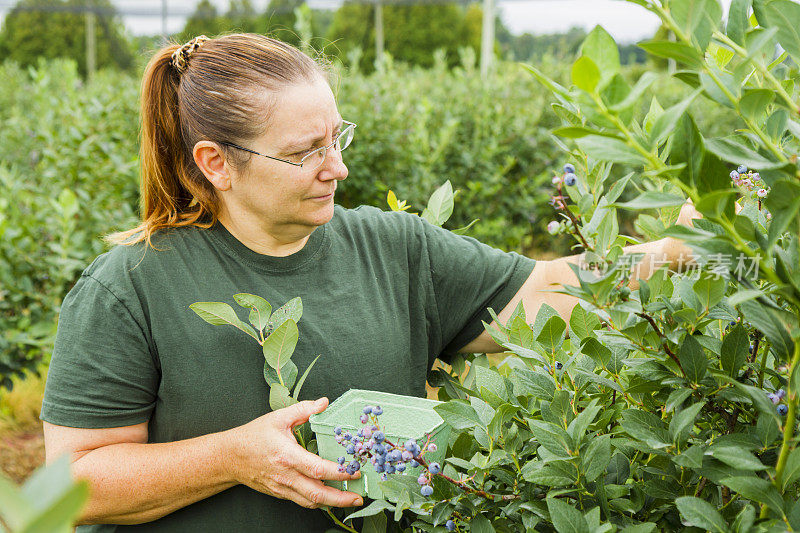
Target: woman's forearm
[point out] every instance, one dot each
(131, 483)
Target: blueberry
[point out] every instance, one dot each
(407, 455)
(401, 467)
(432, 447)
(570, 179)
(413, 464)
(378, 436)
(733, 323)
(389, 469)
(781, 393)
(337, 430)
(394, 456)
(742, 169)
(350, 470)
(342, 469)
(559, 366)
(422, 479)
(341, 460)
(350, 449)
(355, 465)
(367, 410)
(377, 411)
(380, 459)
(378, 448)
(774, 398)
(450, 525)
(783, 409)
(569, 169)
(426, 490)
(410, 444)
(364, 419)
(347, 436)
(434, 468)
(379, 468)
(416, 451)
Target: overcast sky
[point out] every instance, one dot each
(626, 22)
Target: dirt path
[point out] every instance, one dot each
(21, 453)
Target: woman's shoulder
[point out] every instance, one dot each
(374, 219)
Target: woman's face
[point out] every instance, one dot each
(283, 198)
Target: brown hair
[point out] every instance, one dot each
(217, 95)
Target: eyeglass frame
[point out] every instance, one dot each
(300, 164)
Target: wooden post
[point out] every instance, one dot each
(487, 37)
(378, 31)
(91, 52)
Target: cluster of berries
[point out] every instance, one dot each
(558, 201)
(370, 444)
(776, 398)
(750, 181)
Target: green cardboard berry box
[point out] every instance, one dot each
(404, 417)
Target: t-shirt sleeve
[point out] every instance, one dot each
(101, 372)
(468, 277)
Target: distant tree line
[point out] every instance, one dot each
(412, 32)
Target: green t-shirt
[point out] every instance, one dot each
(384, 294)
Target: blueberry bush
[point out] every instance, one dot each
(659, 405)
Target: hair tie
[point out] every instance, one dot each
(180, 57)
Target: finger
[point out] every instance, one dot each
(315, 467)
(297, 414)
(319, 493)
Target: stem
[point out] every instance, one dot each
(339, 522)
(663, 340)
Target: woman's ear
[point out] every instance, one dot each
(211, 162)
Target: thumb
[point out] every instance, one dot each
(297, 414)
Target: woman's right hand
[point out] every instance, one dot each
(265, 456)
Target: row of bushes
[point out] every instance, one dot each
(69, 167)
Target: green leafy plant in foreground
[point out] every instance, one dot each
(672, 404)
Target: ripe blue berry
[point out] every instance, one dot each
(407, 455)
(337, 430)
(367, 410)
(569, 169)
(377, 411)
(380, 459)
(559, 366)
(434, 468)
(347, 436)
(774, 398)
(416, 451)
(379, 468)
(413, 464)
(378, 436)
(570, 179)
(389, 468)
(450, 525)
(783, 409)
(742, 169)
(350, 449)
(426, 490)
(341, 460)
(400, 467)
(409, 445)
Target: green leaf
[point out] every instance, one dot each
(491, 380)
(585, 74)
(785, 14)
(784, 204)
(480, 524)
(642, 84)
(596, 457)
(565, 518)
(554, 438)
(608, 149)
(697, 18)
(600, 47)
(288, 374)
(735, 349)
(756, 489)
(652, 200)
(765, 320)
(260, 310)
(667, 121)
(576, 132)
(377, 506)
(219, 314)
(291, 310)
(755, 102)
(303, 378)
(459, 415)
(682, 422)
(791, 471)
(552, 334)
(680, 52)
(279, 346)
(693, 359)
(14, 508)
(736, 457)
(279, 397)
(699, 513)
(738, 20)
(687, 148)
(737, 153)
(710, 289)
(440, 205)
(582, 323)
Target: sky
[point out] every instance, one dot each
(626, 22)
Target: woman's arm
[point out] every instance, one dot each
(548, 276)
(132, 481)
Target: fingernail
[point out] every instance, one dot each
(358, 501)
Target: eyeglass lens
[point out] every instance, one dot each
(315, 158)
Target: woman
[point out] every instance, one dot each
(166, 416)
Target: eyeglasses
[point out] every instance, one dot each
(313, 159)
